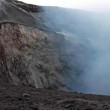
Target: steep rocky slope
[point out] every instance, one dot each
(28, 60)
(32, 53)
(10, 13)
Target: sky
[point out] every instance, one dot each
(93, 5)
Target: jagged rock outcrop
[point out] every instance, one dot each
(28, 57)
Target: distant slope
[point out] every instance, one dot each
(11, 13)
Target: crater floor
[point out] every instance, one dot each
(26, 98)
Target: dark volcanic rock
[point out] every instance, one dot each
(11, 13)
(24, 57)
(26, 98)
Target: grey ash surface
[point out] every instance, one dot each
(27, 98)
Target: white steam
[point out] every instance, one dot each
(93, 5)
(92, 29)
(96, 78)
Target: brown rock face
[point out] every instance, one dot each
(33, 57)
(27, 57)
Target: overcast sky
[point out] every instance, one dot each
(94, 5)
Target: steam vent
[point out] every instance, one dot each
(41, 55)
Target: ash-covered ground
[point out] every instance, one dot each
(27, 98)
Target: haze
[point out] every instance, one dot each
(92, 28)
(92, 5)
